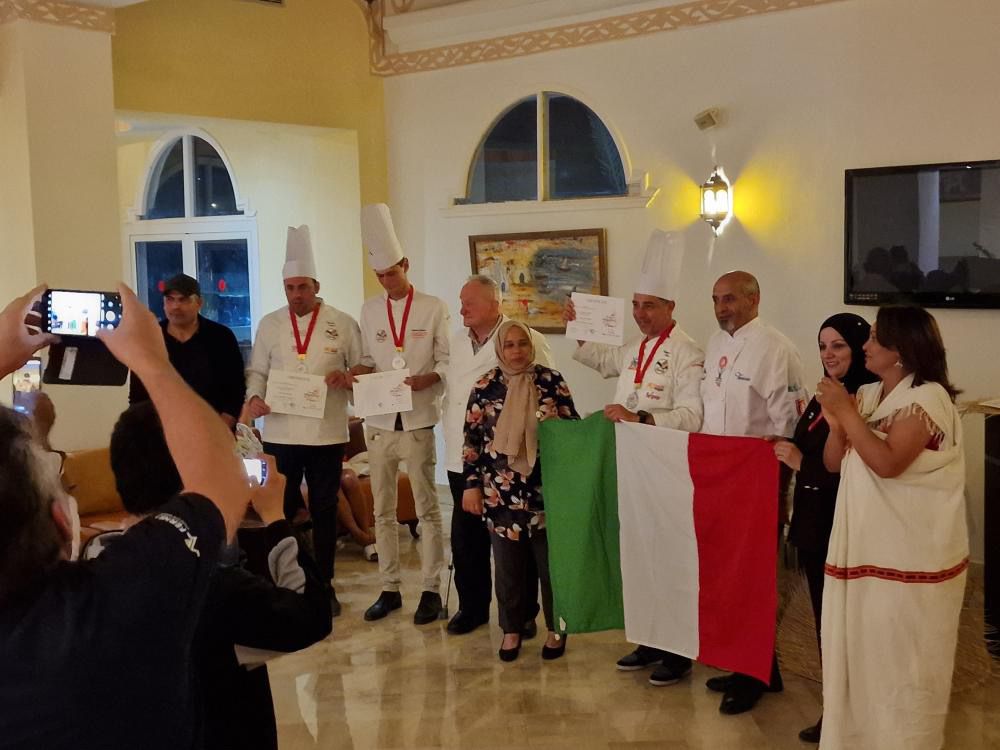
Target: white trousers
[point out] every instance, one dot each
(386, 448)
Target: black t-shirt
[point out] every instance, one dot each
(210, 362)
(99, 656)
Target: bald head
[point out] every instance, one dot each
(736, 296)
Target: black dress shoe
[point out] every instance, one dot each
(334, 604)
(812, 734)
(642, 657)
(386, 602)
(428, 609)
(742, 695)
(465, 622)
(720, 683)
(554, 652)
(530, 630)
(509, 654)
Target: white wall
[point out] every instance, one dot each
(57, 188)
(806, 93)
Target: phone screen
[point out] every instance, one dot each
(27, 380)
(256, 469)
(72, 313)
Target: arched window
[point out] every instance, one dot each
(190, 220)
(189, 180)
(546, 147)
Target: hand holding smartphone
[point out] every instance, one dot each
(27, 380)
(268, 499)
(256, 469)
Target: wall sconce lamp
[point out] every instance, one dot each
(717, 200)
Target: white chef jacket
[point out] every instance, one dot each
(464, 369)
(335, 345)
(753, 383)
(670, 390)
(425, 349)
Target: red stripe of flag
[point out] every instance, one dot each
(736, 521)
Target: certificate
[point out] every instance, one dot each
(296, 393)
(598, 319)
(382, 393)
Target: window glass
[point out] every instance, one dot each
(506, 164)
(155, 264)
(583, 158)
(166, 199)
(213, 187)
(224, 277)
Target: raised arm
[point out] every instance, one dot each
(887, 458)
(200, 444)
(17, 343)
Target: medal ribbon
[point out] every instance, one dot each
(398, 339)
(640, 368)
(300, 347)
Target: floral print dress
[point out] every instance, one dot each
(513, 502)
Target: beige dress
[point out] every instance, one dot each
(895, 578)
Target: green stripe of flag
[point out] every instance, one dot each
(580, 490)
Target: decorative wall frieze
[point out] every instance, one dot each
(385, 62)
(59, 12)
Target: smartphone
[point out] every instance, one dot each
(69, 312)
(256, 469)
(26, 380)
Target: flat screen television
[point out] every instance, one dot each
(926, 234)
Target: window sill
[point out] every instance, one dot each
(540, 207)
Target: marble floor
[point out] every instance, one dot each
(392, 684)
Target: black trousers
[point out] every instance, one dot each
(513, 561)
(470, 556)
(321, 466)
(812, 562)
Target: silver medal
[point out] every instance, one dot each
(632, 401)
(398, 363)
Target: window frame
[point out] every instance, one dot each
(154, 169)
(542, 172)
(190, 229)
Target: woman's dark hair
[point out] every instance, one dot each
(30, 541)
(914, 334)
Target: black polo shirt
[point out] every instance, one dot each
(210, 362)
(99, 656)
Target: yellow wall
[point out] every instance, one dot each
(304, 63)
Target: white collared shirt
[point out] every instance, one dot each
(464, 369)
(425, 350)
(335, 345)
(753, 383)
(670, 389)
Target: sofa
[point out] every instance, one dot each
(87, 476)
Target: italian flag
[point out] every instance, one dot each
(687, 528)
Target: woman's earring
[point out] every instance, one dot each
(899, 364)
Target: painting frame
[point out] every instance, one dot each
(536, 271)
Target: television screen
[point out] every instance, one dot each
(926, 234)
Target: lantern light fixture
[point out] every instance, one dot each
(717, 200)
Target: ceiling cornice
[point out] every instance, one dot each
(59, 12)
(547, 32)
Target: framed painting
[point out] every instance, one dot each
(537, 271)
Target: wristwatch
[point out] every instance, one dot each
(645, 417)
